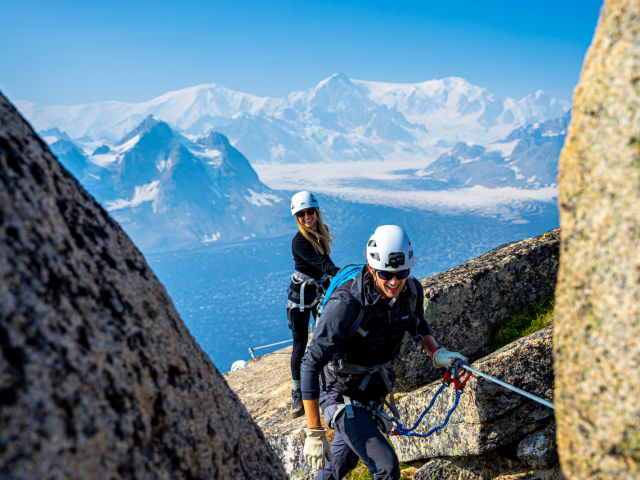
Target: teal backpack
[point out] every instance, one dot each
(346, 273)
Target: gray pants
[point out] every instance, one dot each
(356, 438)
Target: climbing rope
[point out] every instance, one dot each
(451, 376)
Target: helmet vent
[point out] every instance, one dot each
(375, 256)
(372, 243)
(410, 253)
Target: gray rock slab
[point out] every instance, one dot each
(99, 377)
(264, 387)
(481, 467)
(551, 473)
(538, 449)
(488, 415)
(597, 348)
(463, 303)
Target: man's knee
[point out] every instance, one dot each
(387, 466)
(391, 468)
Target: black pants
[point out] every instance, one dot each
(299, 325)
(355, 438)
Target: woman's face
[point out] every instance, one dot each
(308, 217)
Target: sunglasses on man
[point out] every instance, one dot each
(308, 211)
(400, 275)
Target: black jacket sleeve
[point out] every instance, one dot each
(339, 314)
(306, 252)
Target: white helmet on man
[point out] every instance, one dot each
(302, 201)
(389, 248)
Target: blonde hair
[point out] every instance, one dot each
(321, 237)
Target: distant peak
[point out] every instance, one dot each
(149, 124)
(55, 132)
(339, 77)
(215, 139)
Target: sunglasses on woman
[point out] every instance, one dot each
(308, 211)
(400, 275)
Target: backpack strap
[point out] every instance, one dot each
(356, 325)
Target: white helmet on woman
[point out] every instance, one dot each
(302, 201)
(389, 248)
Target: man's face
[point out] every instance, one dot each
(389, 288)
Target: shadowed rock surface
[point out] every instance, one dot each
(463, 303)
(264, 387)
(597, 336)
(99, 377)
(488, 416)
(538, 449)
(490, 466)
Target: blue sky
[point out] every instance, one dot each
(70, 52)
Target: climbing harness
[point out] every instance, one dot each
(304, 280)
(451, 376)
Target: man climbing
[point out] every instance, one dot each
(363, 324)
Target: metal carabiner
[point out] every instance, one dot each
(452, 375)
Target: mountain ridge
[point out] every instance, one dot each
(169, 191)
(339, 119)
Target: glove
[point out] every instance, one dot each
(316, 448)
(443, 357)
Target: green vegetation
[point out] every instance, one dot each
(534, 317)
(361, 472)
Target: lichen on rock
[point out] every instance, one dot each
(597, 347)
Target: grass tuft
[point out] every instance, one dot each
(361, 472)
(534, 317)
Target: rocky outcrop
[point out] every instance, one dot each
(491, 466)
(100, 377)
(264, 386)
(488, 416)
(463, 303)
(538, 450)
(597, 350)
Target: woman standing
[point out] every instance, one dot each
(311, 247)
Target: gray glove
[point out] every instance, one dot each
(443, 357)
(316, 448)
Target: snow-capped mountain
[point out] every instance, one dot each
(168, 191)
(526, 158)
(201, 107)
(453, 104)
(337, 120)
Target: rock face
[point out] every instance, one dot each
(538, 450)
(491, 466)
(100, 377)
(463, 303)
(597, 347)
(488, 416)
(264, 386)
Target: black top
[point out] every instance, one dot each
(385, 326)
(309, 261)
